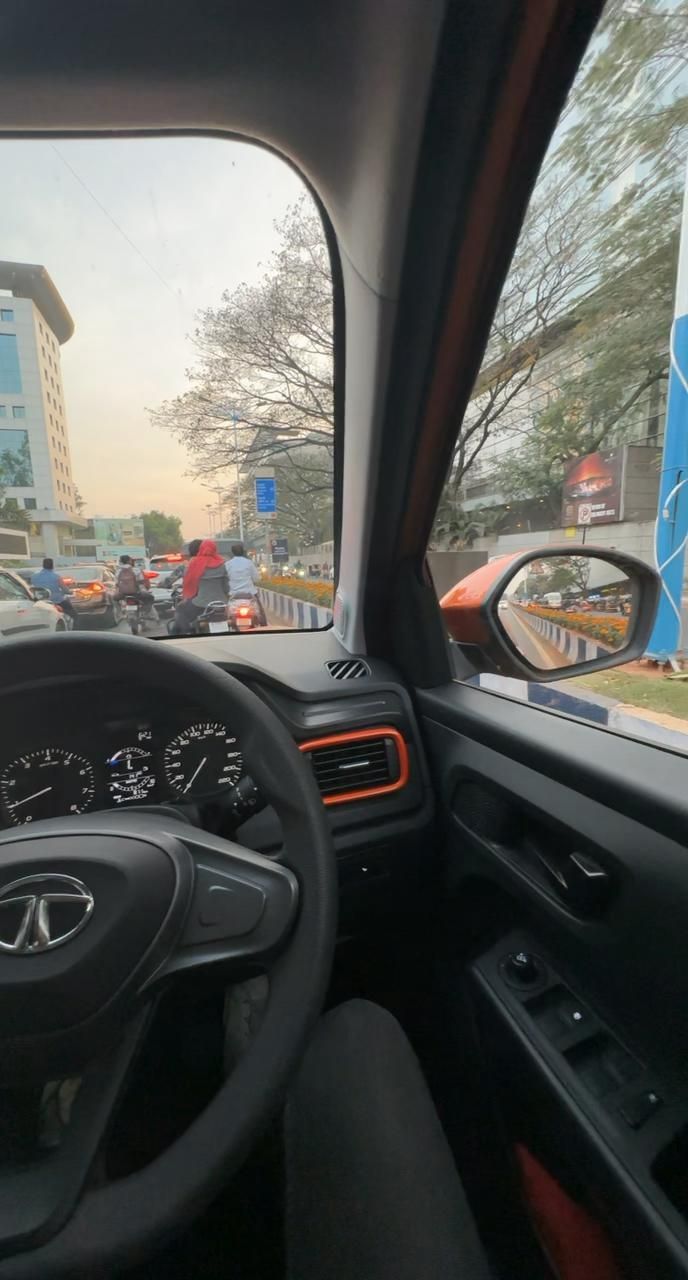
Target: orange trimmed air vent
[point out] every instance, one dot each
(359, 764)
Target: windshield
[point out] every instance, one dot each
(166, 374)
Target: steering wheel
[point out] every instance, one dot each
(97, 913)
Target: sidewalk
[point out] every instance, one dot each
(574, 698)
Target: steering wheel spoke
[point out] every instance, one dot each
(243, 907)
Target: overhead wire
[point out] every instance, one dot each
(77, 177)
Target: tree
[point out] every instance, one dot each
(627, 121)
(79, 502)
(161, 532)
(264, 361)
(456, 529)
(552, 265)
(12, 516)
(305, 497)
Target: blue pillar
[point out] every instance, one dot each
(671, 529)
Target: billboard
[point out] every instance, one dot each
(279, 550)
(115, 536)
(16, 471)
(125, 532)
(14, 543)
(593, 488)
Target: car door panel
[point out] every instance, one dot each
(520, 791)
(18, 612)
(9, 617)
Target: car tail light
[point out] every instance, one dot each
(150, 573)
(68, 582)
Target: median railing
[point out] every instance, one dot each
(297, 610)
(567, 632)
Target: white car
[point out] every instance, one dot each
(21, 612)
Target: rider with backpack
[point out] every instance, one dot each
(131, 582)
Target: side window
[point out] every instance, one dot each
(11, 590)
(573, 435)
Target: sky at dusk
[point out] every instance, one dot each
(201, 212)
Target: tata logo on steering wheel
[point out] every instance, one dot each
(41, 912)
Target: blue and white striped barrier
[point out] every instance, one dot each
(574, 646)
(588, 704)
(300, 614)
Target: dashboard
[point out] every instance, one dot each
(106, 746)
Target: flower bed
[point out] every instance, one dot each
(309, 589)
(609, 631)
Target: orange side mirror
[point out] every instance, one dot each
(464, 605)
(526, 614)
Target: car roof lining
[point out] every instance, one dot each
(338, 92)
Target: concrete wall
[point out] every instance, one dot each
(448, 567)
(635, 537)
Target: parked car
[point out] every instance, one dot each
(22, 610)
(92, 593)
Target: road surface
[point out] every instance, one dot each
(529, 643)
(160, 628)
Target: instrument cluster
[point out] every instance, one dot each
(134, 763)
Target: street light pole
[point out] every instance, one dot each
(671, 528)
(235, 419)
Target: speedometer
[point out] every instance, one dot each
(203, 758)
(46, 784)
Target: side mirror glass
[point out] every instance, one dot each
(554, 612)
(559, 611)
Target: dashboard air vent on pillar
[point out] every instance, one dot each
(347, 668)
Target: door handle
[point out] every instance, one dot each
(578, 879)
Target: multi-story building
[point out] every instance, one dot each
(35, 460)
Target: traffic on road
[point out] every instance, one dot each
(147, 601)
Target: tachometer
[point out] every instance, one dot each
(48, 783)
(203, 758)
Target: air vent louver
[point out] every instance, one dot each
(347, 668)
(350, 766)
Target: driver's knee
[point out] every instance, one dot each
(372, 1188)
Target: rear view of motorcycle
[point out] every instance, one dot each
(132, 613)
(244, 613)
(137, 615)
(215, 619)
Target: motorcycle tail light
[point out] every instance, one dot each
(244, 612)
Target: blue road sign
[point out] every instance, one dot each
(266, 495)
